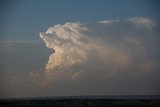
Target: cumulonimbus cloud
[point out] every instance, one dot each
(104, 48)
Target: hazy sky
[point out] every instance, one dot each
(79, 47)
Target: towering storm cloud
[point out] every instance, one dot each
(102, 49)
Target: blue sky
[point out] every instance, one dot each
(24, 19)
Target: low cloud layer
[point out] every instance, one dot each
(103, 49)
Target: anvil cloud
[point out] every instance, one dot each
(102, 49)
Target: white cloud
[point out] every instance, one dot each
(107, 47)
(108, 21)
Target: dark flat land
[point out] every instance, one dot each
(79, 102)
